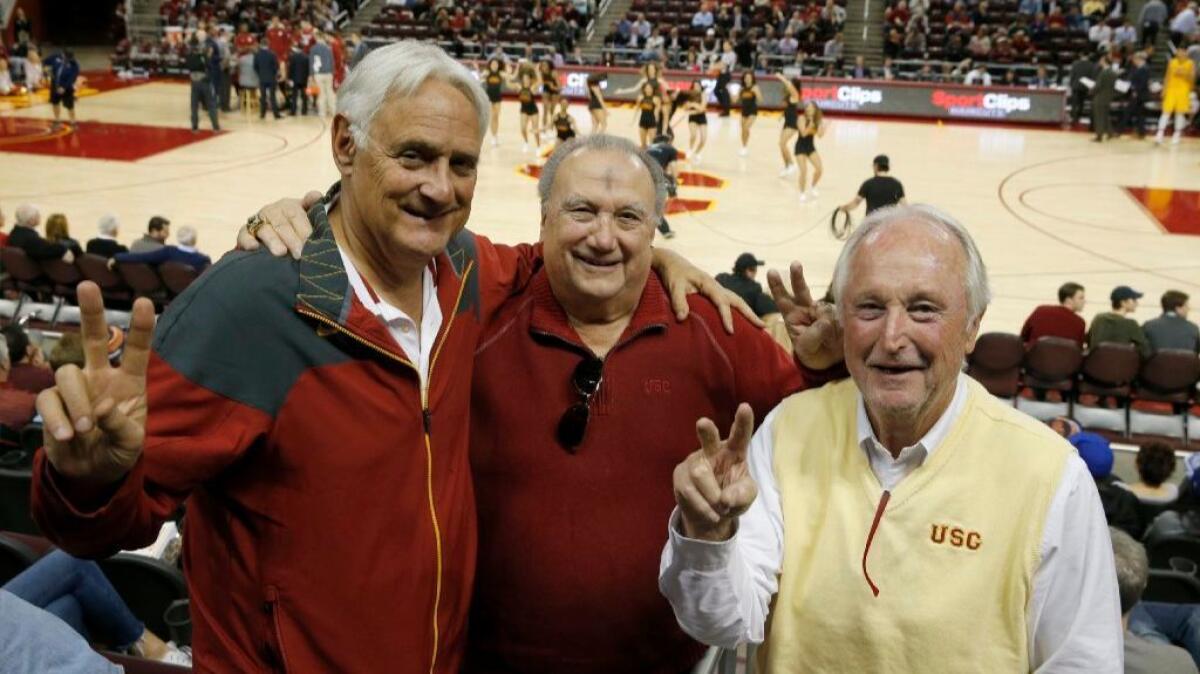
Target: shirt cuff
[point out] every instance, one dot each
(83, 499)
(697, 554)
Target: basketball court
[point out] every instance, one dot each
(1046, 206)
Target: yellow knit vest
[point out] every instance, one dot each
(953, 554)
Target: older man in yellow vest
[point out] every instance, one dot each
(904, 520)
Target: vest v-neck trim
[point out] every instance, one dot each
(921, 475)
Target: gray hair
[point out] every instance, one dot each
(108, 224)
(4, 362)
(603, 142)
(979, 291)
(186, 236)
(400, 69)
(27, 215)
(1133, 568)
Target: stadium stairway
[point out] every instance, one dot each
(863, 32)
(364, 16)
(608, 12)
(143, 20)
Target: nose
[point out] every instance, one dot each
(602, 237)
(895, 330)
(438, 185)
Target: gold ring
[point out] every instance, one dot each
(254, 223)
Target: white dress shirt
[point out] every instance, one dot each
(721, 591)
(416, 343)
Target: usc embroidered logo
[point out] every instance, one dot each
(942, 534)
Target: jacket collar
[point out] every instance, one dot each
(325, 289)
(653, 312)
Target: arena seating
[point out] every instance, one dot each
(56, 280)
(1111, 389)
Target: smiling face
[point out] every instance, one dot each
(408, 189)
(906, 321)
(597, 227)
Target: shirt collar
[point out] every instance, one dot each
(932, 439)
(549, 317)
(186, 249)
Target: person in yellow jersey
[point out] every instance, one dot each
(903, 520)
(1177, 95)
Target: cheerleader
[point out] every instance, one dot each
(548, 77)
(564, 124)
(649, 107)
(792, 99)
(494, 78)
(693, 104)
(652, 75)
(811, 125)
(596, 102)
(748, 97)
(529, 111)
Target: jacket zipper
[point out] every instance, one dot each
(427, 425)
(272, 608)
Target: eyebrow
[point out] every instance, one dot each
(577, 200)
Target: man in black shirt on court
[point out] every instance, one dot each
(880, 191)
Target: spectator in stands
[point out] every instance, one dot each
(743, 282)
(1116, 326)
(157, 232)
(321, 57)
(959, 20)
(834, 48)
(703, 18)
(979, 76)
(980, 45)
(1155, 465)
(914, 43)
(1125, 35)
(1076, 21)
(642, 28)
(1030, 7)
(77, 592)
(299, 75)
(26, 237)
(31, 639)
(1056, 21)
(29, 370)
(105, 244)
(1173, 330)
(1023, 48)
(1058, 320)
(1154, 15)
(17, 406)
(68, 350)
(1100, 35)
(833, 16)
(1120, 505)
(893, 46)
(1183, 26)
(654, 48)
(897, 16)
(266, 67)
(58, 230)
(184, 253)
(789, 45)
(1147, 651)
(860, 71)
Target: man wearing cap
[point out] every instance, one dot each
(744, 284)
(1120, 504)
(880, 191)
(1116, 326)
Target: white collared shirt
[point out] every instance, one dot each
(721, 592)
(416, 343)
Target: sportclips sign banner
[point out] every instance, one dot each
(867, 97)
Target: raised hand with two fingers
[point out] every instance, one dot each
(812, 326)
(713, 486)
(95, 418)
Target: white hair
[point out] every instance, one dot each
(398, 70)
(108, 224)
(186, 236)
(27, 215)
(606, 143)
(979, 292)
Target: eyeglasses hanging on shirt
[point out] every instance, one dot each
(572, 427)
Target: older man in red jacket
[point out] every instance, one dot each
(315, 410)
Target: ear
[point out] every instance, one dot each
(973, 331)
(344, 148)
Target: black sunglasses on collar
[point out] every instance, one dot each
(573, 425)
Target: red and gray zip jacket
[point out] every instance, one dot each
(331, 520)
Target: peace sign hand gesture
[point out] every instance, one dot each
(95, 418)
(713, 486)
(812, 326)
